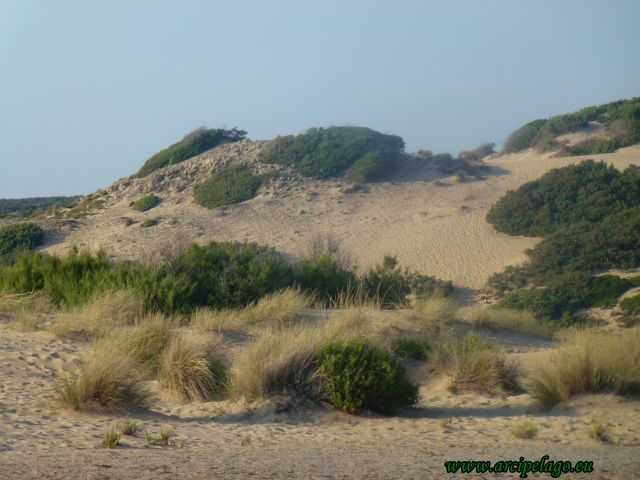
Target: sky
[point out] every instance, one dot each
(90, 89)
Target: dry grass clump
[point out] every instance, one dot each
(284, 359)
(105, 312)
(277, 308)
(524, 430)
(592, 361)
(28, 311)
(599, 430)
(192, 370)
(434, 313)
(513, 321)
(474, 363)
(207, 320)
(106, 377)
(111, 438)
(144, 342)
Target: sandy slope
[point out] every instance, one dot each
(437, 227)
(227, 440)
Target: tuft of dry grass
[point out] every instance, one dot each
(101, 315)
(591, 361)
(106, 378)
(474, 363)
(513, 321)
(524, 430)
(163, 439)
(278, 308)
(128, 427)
(207, 320)
(284, 359)
(434, 313)
(28, 311)
(599, 430)
(111, 438)
(192, 370)
(144, 342)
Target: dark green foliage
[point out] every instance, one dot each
(631, 304)
(26, 206)
(390, 285)
(323, 152)
(18, 237)
(146, 203)
(469, 162)
(373, 166)
(324, 277)
(232, 274)
(523, 137)
(413, 348)
(586, 192)
(359, 376)
(231, 185)
(150, 222)
(193, 144)
(568, 293)
(621, 120)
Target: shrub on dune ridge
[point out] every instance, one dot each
(590, 362)
(146, 203)
(228, 186)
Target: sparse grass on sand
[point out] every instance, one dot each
(163, 439)
(524, 430)
(284, 359)
(192, 370)
(111, 438)
(599, 430)
(591, 361)
(128, 427)
(474, 363)
(105, 312)
(512, 320)
(106, 377)
(28, 311)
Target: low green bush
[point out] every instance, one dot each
(324, 277)
(413, 348)
(193, 144)
(631, 304)
(358, 376)
(150, 222)
(323, 152)
(17, 237)
(146, 203)
(373, 166)
(232, 185)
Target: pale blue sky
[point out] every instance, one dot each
(90, 89)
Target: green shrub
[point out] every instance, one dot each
(373, 166)
(390, 285)
(27, 206)
(413, 348)
(146, 203)
(150, 222)
(323, 152)
(586, 192)
(17, 237)
(193, 144)
(621, 120)
(631, 304)
(324, 277)
(358, 376)
(231, 185)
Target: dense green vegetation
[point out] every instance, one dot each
(589, 215)
(232, 185)
(146, 203)
(359, 376)
(193, 144)
(323, 152)
(586, 192)
(19, 237)
(373, 166)
(631, 304)
(26, 206)
(413, 348)
(566, 294)
(621, 120)
(219, 275)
